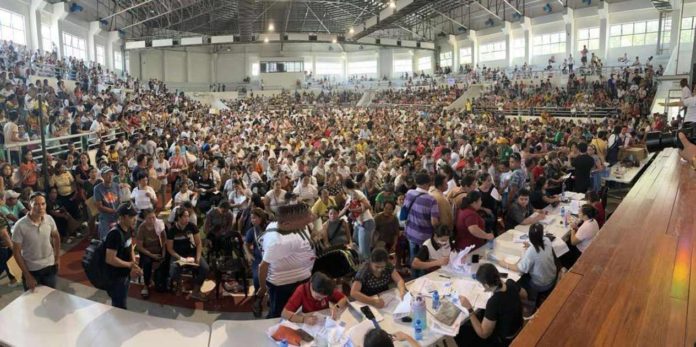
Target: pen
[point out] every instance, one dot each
(443, 276)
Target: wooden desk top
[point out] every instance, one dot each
(636, 284)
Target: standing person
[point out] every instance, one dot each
(6, 251)
(120, 256)
(470, 228)
(143, 196)
(437, 191)
(517, 178)
(162, 168)
(423, 214)
(36, 245)
(360, 212)
(253, 252)
(106, 198)
(288, 256)
(583, 165)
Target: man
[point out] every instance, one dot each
(583, 165)
(13, 209)
(288, 256)
(36, 245)
(313, 296)
(11, 135)
(437, 191)
(106, 197)
(186, 249)
(219, 222)
(120, 255)
(141, 167)
(423, 214)
(520, 212)
(517, 178)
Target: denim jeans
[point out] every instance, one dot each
(201, 272)
(44, 277)
(278, 296)
(5, 255)
(413, 249)
(119, 292)
(363, 235)
(255, 274)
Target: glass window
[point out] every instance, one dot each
(100, 55)
(425, 64)
(492, 51)
(588, 37)
(255, 69)
(446, 59)
(687, 29)
(12, 27)
(465, 56)
(518, 48)
(74, 46)
(118, 61)
(46, 38)
(329, 68)
(366, 67)
(403, 65)
(640, 33)
(550, 44)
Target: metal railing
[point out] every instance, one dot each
(56, 146)
(597, 112)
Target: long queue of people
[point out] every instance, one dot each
(300, 188)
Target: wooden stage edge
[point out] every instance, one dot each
(636, 284)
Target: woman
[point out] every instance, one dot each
(502, 319)
(335, 231)
(435, 251)
(81, 174)
(274, 198)
(207, 196)
(178, 167)
(88, 187)
(305, 191)
(150, 243)
(124, 183)
(185, 194)
(380, 338)
(489, 204)
(184, 245)
(252, 248)
(374, 277)
(538, 263)
(162, 168)
(540, 197)
(359, 208)
(386, 228)
(6, 251)
(7, 177)
(469, 227)
(64, 182)
(582, 233)
(596, 202)
(28, 171)
(143, 196)
(599, 171)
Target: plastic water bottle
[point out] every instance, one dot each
(419, 312)
(418, 330)
(563, 187)
(283, 343)
(564, 217)
(490, 246)
(436, 300)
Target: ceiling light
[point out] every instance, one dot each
(351, 30)
(265, 40)
(392, 4)
(271, 27)
(334, 40)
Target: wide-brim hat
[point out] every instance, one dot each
(294, 217)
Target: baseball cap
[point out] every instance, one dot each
(127, 209)
(106, 169)
(516, 156)
(11, 194)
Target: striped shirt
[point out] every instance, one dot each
(419, 226)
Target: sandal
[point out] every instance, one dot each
(145, 293)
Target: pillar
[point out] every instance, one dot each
(569, 20)
(527, 27)
(455, 52)
(213, 68)
(603, 13)
(507, 31)
(60, 12)
(474, 48)
(111, 40)
(94, 29)
(35, 24)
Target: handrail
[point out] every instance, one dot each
(38, 142)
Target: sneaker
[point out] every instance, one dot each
(257, 307)
(13, 283)
(145, 293)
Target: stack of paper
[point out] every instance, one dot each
(425, 286)
(457, 263)
(403, 309)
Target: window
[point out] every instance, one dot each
(588, 37)
(12, 27)
(281, 66)
(364, 67)
(255, 69)
(465, 56)
(46, 38)
(118, 61)
(101, 60)
(550, 43)
(329, 68)
(687, 29)
(424, 64)
(638, 33)
(403, 65)
(492, 51)
(446, 59)
(74, 46)
(518, 48)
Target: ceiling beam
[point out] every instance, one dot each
(317, 17)
(450, 19)
(485, 8)
(127, 9)
(157, 16)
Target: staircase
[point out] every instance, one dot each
(668, 88)
(366, 98)
(474, 91)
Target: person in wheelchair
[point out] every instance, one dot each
(219, 225)
(185, 249)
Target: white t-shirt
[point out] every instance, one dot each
(141, 198)
(358, 195)
(586, 234)
(308, 193)
(8, 129)
(290, 257)
(162, 169)
(690, 103)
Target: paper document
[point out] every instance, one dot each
(574, 207)
(511, 274)
(520, 237)
(425, 286)
(457, 263)
(403, 309)
(512, 259)
(495, 194)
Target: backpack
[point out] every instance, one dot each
(94, 265)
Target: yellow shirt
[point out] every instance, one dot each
(63, 183)
(320, 209)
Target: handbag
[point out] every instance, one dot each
(403, 213)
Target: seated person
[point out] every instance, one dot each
(148, 242)
(435, 251)
(13, 209)
(585, 229)
(188, 206)
(502, 319)
(521, 212)
(313, 296)
(185, 195)
(540, 197)
(219, 223)
(179, 247)
(386, 227)
(380, 338)
(538, 262)
(596, 202)
(374, 277)
(335, 231)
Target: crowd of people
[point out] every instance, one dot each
(301, 185)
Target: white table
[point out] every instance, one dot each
(49, 317)
(623, 175)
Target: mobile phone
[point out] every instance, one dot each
(503, 275)
(367, 312)
(407, 319)
(474, 258)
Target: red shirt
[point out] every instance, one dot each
(600, 217)
(537, 171)
(466, 218)
(302, 297)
